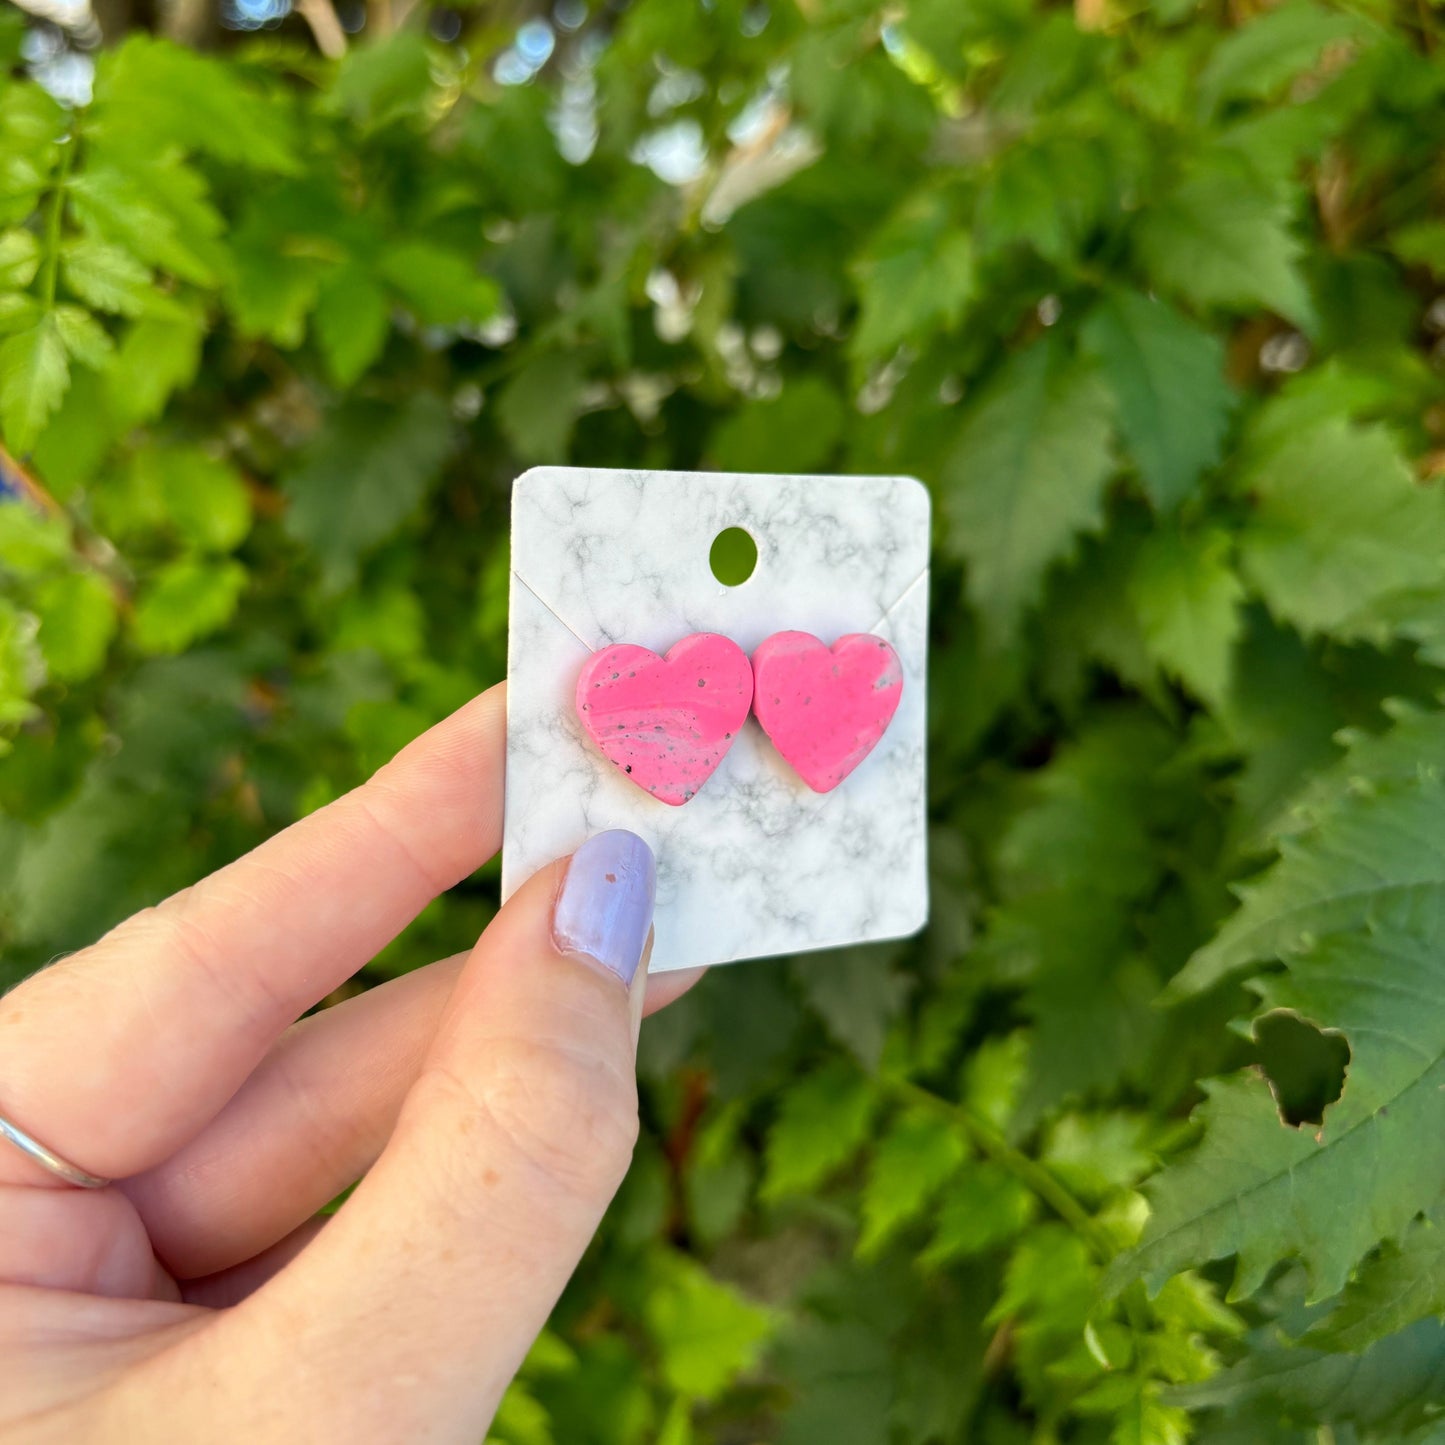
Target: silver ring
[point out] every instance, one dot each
(48, 1159)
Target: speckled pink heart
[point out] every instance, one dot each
(666, 722)
(825, 708)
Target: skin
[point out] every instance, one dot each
(489, 1100)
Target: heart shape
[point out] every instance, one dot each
(666, 722)
(825, 708)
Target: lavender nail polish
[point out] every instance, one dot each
(605, 908)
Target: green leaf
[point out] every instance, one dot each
(1421, 244)
(1284, 707)
(1144, 1419)
(1382, 851)
(1050, 193)
(156, 207)
(993, 1076)
(85, 338)
(362, 475)
(152, 94)
(1403, 1283)
(1049, 1281)
(705, 1332)
(857, 993)
(271, 296)
(1265, 1191)
(1073, 865)
(1025, 477)
(72, 448)
(1167, 378)
(796, 431)
(1187, 598)
(77, 621)
(720, 1179)
(188, 600)
(200, 496)
(1272, 49)
(915, 278)
(443, 287)
(538, 407)
(34, 373)
(821, 1123)
(1221, 237)
(156, 357)
(17, 311)
(21, 667)
(1084, 823)
(912, 1162)
(1338, 524)
(520, 1419)
(352, 322)
(107, 277)
(843, 1376)
(1395, 1386)
(984, 1206)
(19, 259)
(32, 542)
(1097, 1154)
(384, 82)
(1090, 620)
(1411, 749)
(677, 1427)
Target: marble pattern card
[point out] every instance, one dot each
(756, 863)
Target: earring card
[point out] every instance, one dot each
(756, 863)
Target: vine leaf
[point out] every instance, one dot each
(1339, 523)
(823, 1122)
(1405, 1282)
(917, 277)
(1265, 1192)
(1382, 852)
(34, 374)
(1167, 377)
(912, 1162)
(1025, 477)
(1188, 598)
(1221, 237)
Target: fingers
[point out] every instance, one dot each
(118, 1055)
(308, 1123)
(506, 1152)
(231, 1286)
(91, 1241)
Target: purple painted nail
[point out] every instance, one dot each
(605, 908)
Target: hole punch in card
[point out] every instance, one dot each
(756, 861)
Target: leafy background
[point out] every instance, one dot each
(1142, 1140)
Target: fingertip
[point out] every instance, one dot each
(665, 988)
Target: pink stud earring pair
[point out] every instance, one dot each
(667, 722)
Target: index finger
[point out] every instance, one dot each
(118, 1055)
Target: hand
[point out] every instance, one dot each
(489, 1100)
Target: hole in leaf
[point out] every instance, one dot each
(733, 556)
(1305, 1065)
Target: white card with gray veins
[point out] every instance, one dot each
(756, 863)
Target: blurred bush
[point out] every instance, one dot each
(1150, 295)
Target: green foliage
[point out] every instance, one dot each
(1167, 376)
(1403, 1283)
(1025, 477)
(1148, 295)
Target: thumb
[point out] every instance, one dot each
(418, 1302)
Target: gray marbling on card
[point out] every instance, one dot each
(756, 864)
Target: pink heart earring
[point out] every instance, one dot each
(666, 722)
(825, 708)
